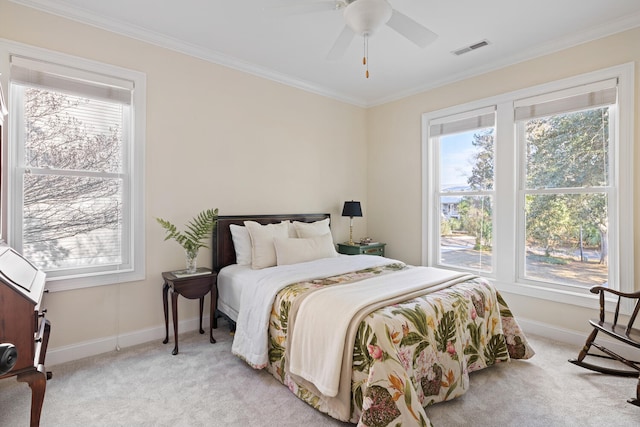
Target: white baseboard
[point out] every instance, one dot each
(84, 349)
(94, 347)
(552, 332)
(576, 338)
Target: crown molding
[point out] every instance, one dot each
(64, 10)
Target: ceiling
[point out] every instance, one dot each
(278, 43)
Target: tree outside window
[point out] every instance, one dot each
(567, 182)
(467, 181)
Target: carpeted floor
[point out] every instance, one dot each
(205, 385)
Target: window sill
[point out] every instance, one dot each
(582, 298)
(59, 284)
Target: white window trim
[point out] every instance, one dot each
(505, 185)
(136, 156)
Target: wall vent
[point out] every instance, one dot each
(469, 48)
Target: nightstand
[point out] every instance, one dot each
(194, 286)
(357, 249)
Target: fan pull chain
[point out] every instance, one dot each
(365, 62)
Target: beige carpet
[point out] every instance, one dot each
(205, 385)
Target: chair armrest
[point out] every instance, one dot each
(631, 295)
(596, 289)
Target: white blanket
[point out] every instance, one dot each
(252, 328)
(317, 342)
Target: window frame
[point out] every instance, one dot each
(133, 168)
(507, 178)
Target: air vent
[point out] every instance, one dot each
(469, 48)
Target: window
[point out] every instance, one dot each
(532, 189)
(464, 145)
(566, 144)
(77, 140)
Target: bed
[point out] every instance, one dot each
(364, 339)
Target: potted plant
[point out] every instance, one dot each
(191, 240)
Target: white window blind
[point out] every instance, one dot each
(470, 120)
(46, 75)
(578, 98)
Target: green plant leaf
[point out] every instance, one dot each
(199, 228)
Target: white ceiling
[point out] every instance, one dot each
(258, 37)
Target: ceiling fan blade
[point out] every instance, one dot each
(412, 30)
(300, 8)
(341, 44)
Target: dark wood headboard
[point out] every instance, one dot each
(222, 248)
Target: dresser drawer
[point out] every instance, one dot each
(377, 250)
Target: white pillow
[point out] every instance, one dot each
(241, 244)
(263, 252)
(293, 251)
(292, 231)
(312, 229)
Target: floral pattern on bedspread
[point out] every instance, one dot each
(413, 354)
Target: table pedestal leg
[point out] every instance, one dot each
(174, 310)
(201, 309)
(165, 303)
(212, 320)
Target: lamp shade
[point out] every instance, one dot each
(352, 209)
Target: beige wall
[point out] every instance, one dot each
(394, 154)
(216, 137)
(221, 138)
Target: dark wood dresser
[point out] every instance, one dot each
(23, 324)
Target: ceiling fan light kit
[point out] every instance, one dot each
(365, 17)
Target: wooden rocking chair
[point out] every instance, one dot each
(625, 333)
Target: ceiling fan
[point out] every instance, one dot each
(364, 18)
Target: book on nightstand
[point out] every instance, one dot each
(183, 273)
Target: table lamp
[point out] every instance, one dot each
(351, 209)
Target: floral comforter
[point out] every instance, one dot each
(409, 355)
